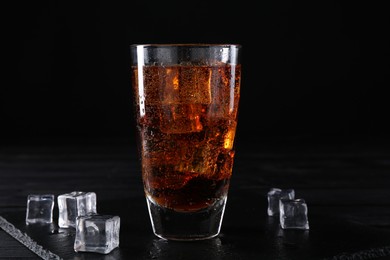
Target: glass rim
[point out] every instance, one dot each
(223, 45)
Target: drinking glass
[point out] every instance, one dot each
(186, 99)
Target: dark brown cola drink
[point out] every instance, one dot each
(186, 105)
(187, 118)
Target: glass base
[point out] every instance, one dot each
(186, 226)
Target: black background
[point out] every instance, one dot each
(314, 71)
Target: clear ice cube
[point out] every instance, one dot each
(293, 214)
(181, 118)
(186, 84)
(74, 204)
(97, 233)
(40, 208)
(177, 84)
(273, 197)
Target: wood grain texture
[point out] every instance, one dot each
(345, 187)
(10, 248)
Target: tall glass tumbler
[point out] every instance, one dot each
(186, 99)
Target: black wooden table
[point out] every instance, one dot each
(346, 187)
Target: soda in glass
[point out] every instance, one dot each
(186, 99)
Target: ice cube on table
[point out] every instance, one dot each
(97, 233)
(273, 197)
(39, 208)
(74, 204)
(293, 214)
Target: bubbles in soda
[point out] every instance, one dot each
(186, 119)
